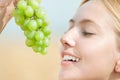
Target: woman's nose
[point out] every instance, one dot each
(68, 40)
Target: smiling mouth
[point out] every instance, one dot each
(70, 58)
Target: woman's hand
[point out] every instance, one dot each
(6, 9)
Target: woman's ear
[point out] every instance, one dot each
(117, 66)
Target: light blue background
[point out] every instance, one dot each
(59, 11)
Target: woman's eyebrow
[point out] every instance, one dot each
(88, 21)
(85, 21)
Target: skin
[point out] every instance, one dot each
(91, 37)
(6, 9)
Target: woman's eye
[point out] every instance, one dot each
(87, 33)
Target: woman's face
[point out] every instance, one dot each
(89, 46)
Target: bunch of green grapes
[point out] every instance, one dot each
(34, 22)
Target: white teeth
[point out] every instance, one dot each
(70, 58)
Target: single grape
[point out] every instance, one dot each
(19, 20)
(39, 22)
(32, 25)
(46, 42)
(43, 51)
(22, 5)
(40, 13)
(46, 31)
(29, 42)
(17, 12)
(29, 11)
(46, 20)
(39, 43)
(30, 34)
(34, 4)
(36, 48)
(24, 27)
(39, 35)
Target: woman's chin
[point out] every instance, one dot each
(67, 75)
(64, 76)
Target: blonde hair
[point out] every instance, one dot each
(113, 7)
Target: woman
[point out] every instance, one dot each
(6, 8)
(91, 46)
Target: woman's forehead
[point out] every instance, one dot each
(91, 8)
(94, 11)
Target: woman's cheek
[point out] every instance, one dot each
(96, 54)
